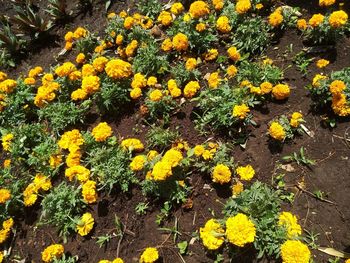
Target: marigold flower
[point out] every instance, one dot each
(316, 81)
(277, 131)
(88, 70)
(118, 69)
(42, 182)
(65, 69)
(338, 19)
(55, 160)
(172, 157)
(240, 111)
(199, 9)
(149, 255)
(80, 32)
(237, 188)
(161, 171)
(131, 48)
(30, 194)
(129, 22)
(322, 63)
(191, 89)
(139, 81)
(266, 87)
(212, 235)
(221, 174)
(326, 2)
(167, 45)
(8, 85)
(68, 37)
(89, 191)
(152, 154)
(78, 94)
(33, 73)
(68, 46)
(240, 230)
(243, 6)
(5, 195)
(78, 171)
(7, 163)
(152, 81)
(295, 251)
(337, 86)
(231, 71)
(281, 91)
(101, 132)
(245, 173)
(316, 20)
(276, 18)
(223, 24)
(259, 6)
(52, 252)
(70, 139)
(73, 157)
(211, 55)
(233, 54)
(135, 93)
(85, 224)
(119, 40)
(132, 144)
(191, 64)
(198, 150)
(290, 222)
(301, 24)
(165, 18)
(138, 163)
(177, 8)
(200, 27)
(297, 117)
(6, 141)
(218, 4)
(214, 80)
(99, 63)
(180, 42)
(156, 95)
(3, 76)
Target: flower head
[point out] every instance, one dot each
(246, 173)
(212, 235)
(277, 131)
(294, 251)
(149, 255)
(85, 224)
(240, 230)
(221, 174)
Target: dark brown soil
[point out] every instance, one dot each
(330, 174)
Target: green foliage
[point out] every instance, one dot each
(262, 205)
(57, 9)
(61, 208)
(216, 107)
(9, 40)
(66, 259)
(299, 158)
(302, 62)
(110, 165)
(160, 138)
(60, 115)
(148, 61)
(86, 44)
(141, 208)
(5, 59)
(161, 109)
(150, 8)
(252, 36)
(182, 75)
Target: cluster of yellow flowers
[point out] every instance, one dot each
(240, 111)
(163, 168)
(89, 191)
(6, 229)
(46, 92)
(52, 252)
(336, 20)
(221, 174)
(30, 194)
(276, 17)
(212, 234)
(32, 75)
(277, 131)
(102, 132)
(173, 89)
(206, 154)
(89, 85)
(70, 36)
(85, 224)
(340, 105)
(295, 251)
(290, 222)
(246, 173)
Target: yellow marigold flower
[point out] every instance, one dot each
(214, 80)
(316, 20)
(30, 194)
(240, 111)
(156, 95)
(237, 188)
(276, 131)
(85, 224)
(90, 84)
(233, 54)
(65, 69)
(149, 255)
(199, 9)
(7, 163)
(151, 155)
(131, 48)
(326, 2)
(322, 63)
(240, 230)
(180, 42)
(243, 6)
(42, 182)
(118, 69)
(5, 195)
(152, 81)
(191, 89)
(75, 75)
(177, 8)
(68, 46)
(99, 63)
(281, 91)
(6, 141)
(73, 158)
(338, 19)
(173, 157)
(175, 93)
(68, 37)
(295, 251)
(89, 191)
(129, 22)
(146, 23)
(187, 17)
(70, 139)
(123, 14)
(29, 81)
(139, 81)
(218, 4)
(8, 224)
(200, 27)
(246, 173)
(52, 252)
(223, 24)
(259, 6)
(3, 76)
(301, 24)
(88, 70)
(297, 117)
(231, 71)
(4, 234)
(165, 18)
(211, 54)
(132, 144)
(79, 33)
(135, 93)
(78, 171)
(138, 163)
(111, 15)
(221, 174)
(207, 155)
(337, 86)
(161, 171)
(212, 234)
(316, 80)
(172, 84)
(276, 18)
(55, 160)
(191, 64)
(78, 94)
(119, 40)
(340, 105)
(198, 150)
(102, 132)
(8, 85)
(167, 45)
(290, 222)
(266, 87)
